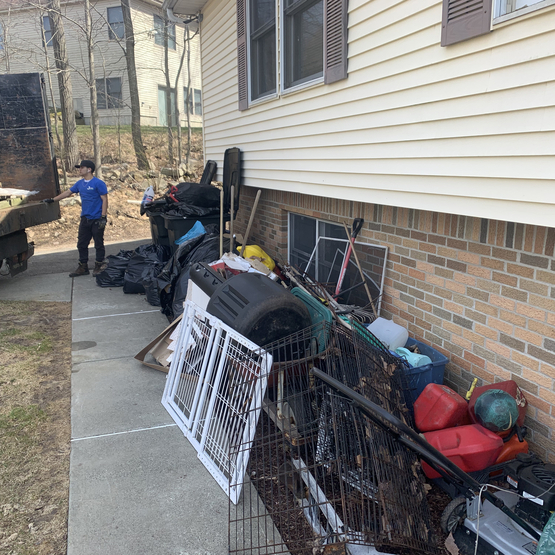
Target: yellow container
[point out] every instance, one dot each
(254, 251)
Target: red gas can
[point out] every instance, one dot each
(511, 388)
(470, 447)
(439, 407)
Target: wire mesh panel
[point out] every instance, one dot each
(214, 393)
(325, 474)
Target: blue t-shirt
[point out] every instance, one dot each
(90, 191)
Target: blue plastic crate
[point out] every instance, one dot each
(419, 377)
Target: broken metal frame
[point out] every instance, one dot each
(339, 251)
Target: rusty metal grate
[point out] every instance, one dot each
(325, 475)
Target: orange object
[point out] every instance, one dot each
(470, 447)
(511, 449)
(439, 407)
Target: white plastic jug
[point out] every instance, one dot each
(392, 335)
(414, 359)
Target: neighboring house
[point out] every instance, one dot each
(435, 122)
(22, 50)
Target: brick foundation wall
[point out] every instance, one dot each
(480, 291)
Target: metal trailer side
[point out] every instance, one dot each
(27, 162)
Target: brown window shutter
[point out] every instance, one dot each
(335, 40)
(242, 66)
(464, 19)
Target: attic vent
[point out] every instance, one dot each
(464, 19)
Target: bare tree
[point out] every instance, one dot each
(95, 124)
(169, 114)
(142, 161)
(71, 148)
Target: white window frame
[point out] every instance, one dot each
(304, 84)
(45, 30)
(270, 95)
(161, 26)
(497, 4)
(111, 33)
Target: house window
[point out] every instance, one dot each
(303, 55)
(303, 235)
(505, 7)
(262, 47)
(195, 101)
(310, 51)
(116, 28)
(47, 28)
(160, 29)
(1, 36)
(319, 248)
(163, 107)
(108, 93)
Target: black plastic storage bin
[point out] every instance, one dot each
(158, 229)
(177, 226)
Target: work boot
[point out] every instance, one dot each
(98, 267)
(82, 270)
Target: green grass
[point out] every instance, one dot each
(106, 130)
(36, 342)
(21, 422)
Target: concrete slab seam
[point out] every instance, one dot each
(74, 439)
(112, 315)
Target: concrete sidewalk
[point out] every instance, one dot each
(136, 484)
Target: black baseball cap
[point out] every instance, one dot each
(87, 164)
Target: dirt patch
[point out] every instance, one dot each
(35, 357)
(125, 183)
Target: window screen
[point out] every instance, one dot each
(262, 47)
(304, 41)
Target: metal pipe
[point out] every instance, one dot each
(231, 216)
(247, 233)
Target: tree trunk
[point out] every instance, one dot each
(142, 161)
(188, 97)
(178, 115)
(95, 126)
(71, 148)
(53, 100)
(168, 94)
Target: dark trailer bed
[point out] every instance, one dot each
(27, 162)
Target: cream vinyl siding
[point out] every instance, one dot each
(468, 129)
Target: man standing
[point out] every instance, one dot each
(94, 207)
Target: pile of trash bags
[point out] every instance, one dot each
(186, 200)
(152, 271)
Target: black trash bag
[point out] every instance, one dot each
(162, 253)
(194, 194)
(170, 272)
(207, 251)
(187, 210)
(144, 257)
(150, 283)
(113, 274)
